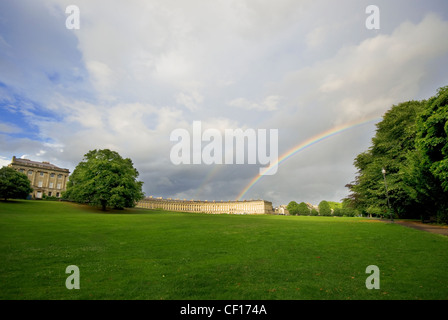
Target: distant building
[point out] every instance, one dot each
(214, 207)
(45, 178)
(282, 210)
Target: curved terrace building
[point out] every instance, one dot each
(214, 207)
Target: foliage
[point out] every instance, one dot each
(293, 208)
(324, 208)
(393, 141)
(314, 212)
(411, 144)
(49, 198)
(14, 184)
(334, 204)
(338, 212)
(104, 178)
(303, 209)
(431, 158)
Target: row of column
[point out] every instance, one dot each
(203, 207)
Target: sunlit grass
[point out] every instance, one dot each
(143, 254)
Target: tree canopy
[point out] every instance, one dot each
(324, 208)
(293, 208)
(14, 184)
(411, 145)
(301, 208)
(106, 179)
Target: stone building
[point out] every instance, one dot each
(214, 207)
(282, 210)
(46, 178)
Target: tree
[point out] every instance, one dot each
(338, 212)
(324, 208)
(392, 145)
(432, 137)
(314, 212)
(104, 178)
(431, 157)
(293, 208)
(334, 204)
(14, 184)
(303, 209)
(411, 144)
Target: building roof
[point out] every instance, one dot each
(36, 164)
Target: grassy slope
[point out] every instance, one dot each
(140, 254)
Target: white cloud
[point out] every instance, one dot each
(191, 101)
(268, 104)
(101, 75)
(366, 79)
(4, 161)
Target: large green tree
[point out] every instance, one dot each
(324, 208)
(428, 166)
(14, 184)
(293, 208)
(392, 144)
(105, 179)
(411, 144)
(303, 209)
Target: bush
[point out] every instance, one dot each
(14, 184)
(50, 198)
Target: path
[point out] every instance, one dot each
(443, 230)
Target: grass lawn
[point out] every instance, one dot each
(144, 254)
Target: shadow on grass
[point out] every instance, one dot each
(15, 201)
(125, 211)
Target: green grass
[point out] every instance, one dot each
(143, 254)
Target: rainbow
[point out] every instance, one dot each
(303, 145)
(207, 179)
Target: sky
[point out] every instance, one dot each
(135, 71)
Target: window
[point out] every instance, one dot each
(59, 185)
(41, 174)
(52, 175)
(21, 170)
(30, 172)
(49, 193)
(57, 194)
(39, 184)
(51, 185)
(59, 176)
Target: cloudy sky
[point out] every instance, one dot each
(135, 71)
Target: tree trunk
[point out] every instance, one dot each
(103, 205)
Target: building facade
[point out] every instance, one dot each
(213, 207)
(282, 210)
(46, 178)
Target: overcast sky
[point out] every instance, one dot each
(137, 70)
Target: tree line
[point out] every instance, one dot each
(404, 173)
(325, 208)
